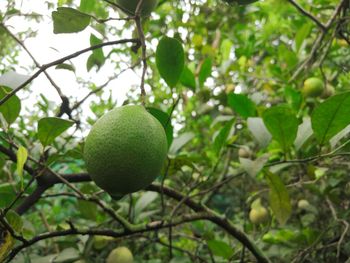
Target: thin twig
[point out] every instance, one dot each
(60, 61)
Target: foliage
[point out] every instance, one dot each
(220, 76)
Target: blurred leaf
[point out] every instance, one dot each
(223, 135)
(304, 133)
(69, 20)
(205, 71)
(253, 167)
(22, 156)
(188, 79)
(87, 209)
(7, 194)
(257, 127)
(220, 248)
(67, 255)
(165, 120)
(282, 124)
(11, 108)
(51, 127)
(340, 135)
(241, 104)
(87, 5)
(225, 49)
(302, 33)
(279, 198)
(14, 220)
(331, 116)
(170, 60)
(144, 201)
(180, 141)
(66, 67)
(293, 97)
(97, 57)
(12, 79)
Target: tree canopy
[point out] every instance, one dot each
(254, 99)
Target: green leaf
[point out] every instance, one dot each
(11, 108)
(165, 120)
(14, 220)
(66, 67)
(279, 198)
(69, 20)
(282, 124)
(97, 57)
(170, 60)
(51, 127)
(225, 49)
(223, 135)
(220, 248)
(7, 194)
(188, 79)
(144, 201)
(259, 131)
(205, 71)
(302, 33)
(87, 209)
(293, 97)
(180, 142)
(330, 117)
(22, 156)
(87, 5)
(253, 167)
(241, 104)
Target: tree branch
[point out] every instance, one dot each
(61, 60)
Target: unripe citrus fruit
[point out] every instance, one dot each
(125, 150)
(244, 152)
(313, 87)
(120, 255)
(303, 204)
(328, 92)
(130, 6)
(258, 215)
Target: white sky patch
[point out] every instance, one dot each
(47, 47)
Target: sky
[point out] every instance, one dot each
(47, 47)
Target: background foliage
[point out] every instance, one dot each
(241, 134)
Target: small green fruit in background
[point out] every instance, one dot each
(303, 204)
(125, 150)
(258, 213)
(130, 6)
(120, 255)
(244, 152)
(100, 242)
(328, 92)
(313, 87)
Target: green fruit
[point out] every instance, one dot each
(244, 152)
(125, 150)
(120, 255)
(258, 215)
(328, 92)
(129, 6)
(100, 242)
(313, 87)
(303, 204)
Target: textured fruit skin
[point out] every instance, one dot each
(125, 150)
(258, 215)
(130, 5)
(120, 255)
(313, 87)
